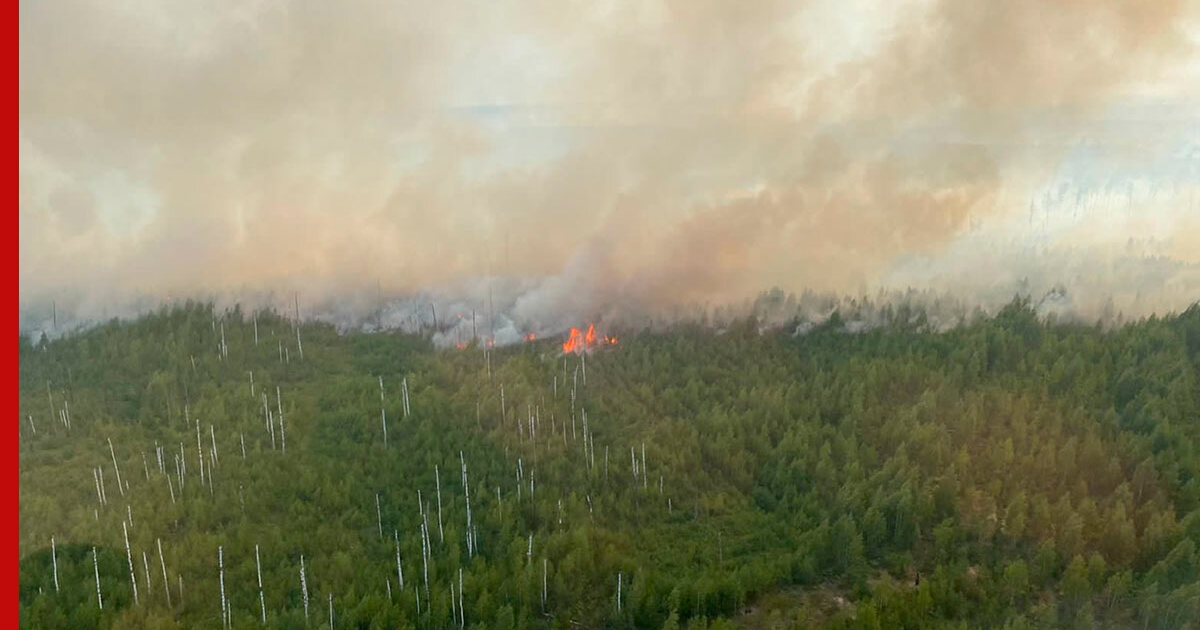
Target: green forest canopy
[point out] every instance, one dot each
(1009, 473)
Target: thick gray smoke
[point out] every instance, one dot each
(555, 163)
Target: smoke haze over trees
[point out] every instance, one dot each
(580, 160)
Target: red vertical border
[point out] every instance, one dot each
(13, 219)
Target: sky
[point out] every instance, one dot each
(586, 159)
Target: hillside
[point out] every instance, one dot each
(1009, 473)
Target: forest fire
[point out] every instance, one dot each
(574, 342)
(578, 341)
(528, 338)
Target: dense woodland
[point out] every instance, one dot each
(202, 469)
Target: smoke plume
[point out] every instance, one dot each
(551, 163)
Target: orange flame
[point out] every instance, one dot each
(529, 337)
(574, 342)
(461, 345)
(578, 342)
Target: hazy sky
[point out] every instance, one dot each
(659, 152)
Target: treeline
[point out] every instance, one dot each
(1008, 473)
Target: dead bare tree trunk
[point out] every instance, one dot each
(383, 413)
(399, 563)
(163, 562)
(378, 516)
(129, 557)
(115, 466)
(304, 586)
(438, 480)
(54, 560)
(96, 568)
(262, 601)
(282, 431)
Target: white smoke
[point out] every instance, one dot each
(553, 164)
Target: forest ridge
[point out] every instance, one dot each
(197, 468)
